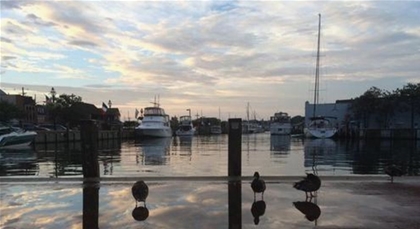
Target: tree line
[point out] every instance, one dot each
(384, 104)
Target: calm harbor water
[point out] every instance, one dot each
(185, 190)
(207, 156)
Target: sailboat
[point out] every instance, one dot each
(319, 126)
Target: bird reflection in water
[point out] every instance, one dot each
(258, 207)
(309, 209)
(310, 185)
(140, 191)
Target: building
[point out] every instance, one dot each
(344, 117)
(25, 103)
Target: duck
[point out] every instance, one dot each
(309, 184)
(258, 185)
(394, 171)
(140, 191)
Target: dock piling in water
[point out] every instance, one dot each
(235, 148)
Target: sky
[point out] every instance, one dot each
(217, 58)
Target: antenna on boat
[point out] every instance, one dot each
(316, 91)
(156, 104)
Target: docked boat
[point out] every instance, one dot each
(216, 129)
(12, 137)
(155, 123)
(186, 127)
(280, 124)
(319, 126)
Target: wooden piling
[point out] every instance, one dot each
(235, 148)
(89, 137)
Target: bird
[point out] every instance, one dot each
(140, 191)
(257, 210)
(309, 184)
(258, 185)
(309, 209)
(394, 171)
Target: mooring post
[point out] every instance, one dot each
(235, 148)
(89, 138)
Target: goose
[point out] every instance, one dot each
(258, 185)
(309, 184)
(393, 171)
(140, 191)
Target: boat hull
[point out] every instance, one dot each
(280, 129)
(320, 132)
(154, 132)
(17, 140)
(184, 133)
(185, 130)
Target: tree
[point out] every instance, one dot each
(59, 107)
(409, 97)
(367, 104)
(9, 111)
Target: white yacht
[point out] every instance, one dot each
(155, 123)
(186, 127)
(280, 124)
(320, 127)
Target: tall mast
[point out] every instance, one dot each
(316, 91)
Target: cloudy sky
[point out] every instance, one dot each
(208, 56)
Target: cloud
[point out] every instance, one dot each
(215, 50)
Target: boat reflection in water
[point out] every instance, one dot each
(280, 143)
(319, 152)
(22, 161)
(185, 143)
(155, 150)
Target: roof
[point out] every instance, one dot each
(85, 108)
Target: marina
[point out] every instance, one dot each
(272, 155)
(340, 152)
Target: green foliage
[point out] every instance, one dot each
(9, 111)
(383, 103)
(58, 109)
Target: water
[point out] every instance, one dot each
(185, 190)
(207, 156)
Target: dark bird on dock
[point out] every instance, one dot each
(258, 185)
(140, 191)
(309, 209)
(257, 210)
(309, 184)
(394, 171)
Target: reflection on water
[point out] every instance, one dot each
(207, 156)
(154, 150)
(22, 162)
(280, 144)
(207, 204)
